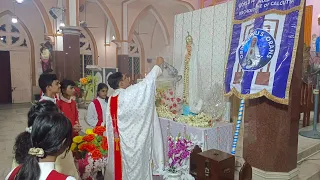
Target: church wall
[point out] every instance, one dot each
(315, 15)
(29, 14)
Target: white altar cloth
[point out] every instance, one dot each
(219, 137)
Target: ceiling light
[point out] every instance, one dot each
(1, 38)
(14, 20)
(19, 1)
(62, 24)
(113, 38)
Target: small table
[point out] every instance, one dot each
(219, 137)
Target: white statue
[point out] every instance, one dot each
(189, 89)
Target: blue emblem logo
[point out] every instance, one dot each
(257, 50)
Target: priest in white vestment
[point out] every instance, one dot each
(133, 128)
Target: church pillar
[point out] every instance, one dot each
(271, 131)
(123, 58)
(123, 54)
(71, 41)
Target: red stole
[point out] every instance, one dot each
(54, 175)
(117, 150)
(99, 111)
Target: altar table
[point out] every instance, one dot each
(219, 137)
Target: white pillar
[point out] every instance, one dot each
(72, 12)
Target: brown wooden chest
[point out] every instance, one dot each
(214, 165)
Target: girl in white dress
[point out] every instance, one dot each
(51, 135)
(96, 115)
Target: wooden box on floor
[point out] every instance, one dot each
(214, 165)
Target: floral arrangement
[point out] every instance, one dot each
(179, 150)
(164, 111)
(167, 98)
(202, 120)
(86, 84)
(90, 152)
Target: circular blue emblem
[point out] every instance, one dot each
(257, 50)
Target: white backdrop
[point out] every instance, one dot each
(210, 28)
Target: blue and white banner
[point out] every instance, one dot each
(263, 48)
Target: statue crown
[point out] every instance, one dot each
(189, 39)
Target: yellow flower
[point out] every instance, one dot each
(84, 81)
(89, 131)
(89, 78)
(73, 146)
(77, 139)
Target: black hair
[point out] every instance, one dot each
(46, 80)
(114, 80)
(52, 132)
(101, 86)
(22, 143)
(65, 83)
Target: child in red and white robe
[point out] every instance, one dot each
(96, 115)
(68, 106)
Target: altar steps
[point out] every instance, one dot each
(308, 157)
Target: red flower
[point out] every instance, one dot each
(104, 144)
(178, 99)
(89, 137)
(99, 130)
(77, 92)
(171, 93)
(87, 147)
(170, 107)
(174, 105)
(96, 154)
(172, 99)
(174, 112)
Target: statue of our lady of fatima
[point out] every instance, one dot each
(190, 87)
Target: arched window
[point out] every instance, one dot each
(134, 59)
(86, 53)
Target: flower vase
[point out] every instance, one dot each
(174, 176)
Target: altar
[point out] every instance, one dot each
(219, 136)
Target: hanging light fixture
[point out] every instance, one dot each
(14, 19)
(113, 38)
(19, 1)
(62, 24)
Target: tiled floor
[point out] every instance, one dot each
(13, 119)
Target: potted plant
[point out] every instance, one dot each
(179, 150)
